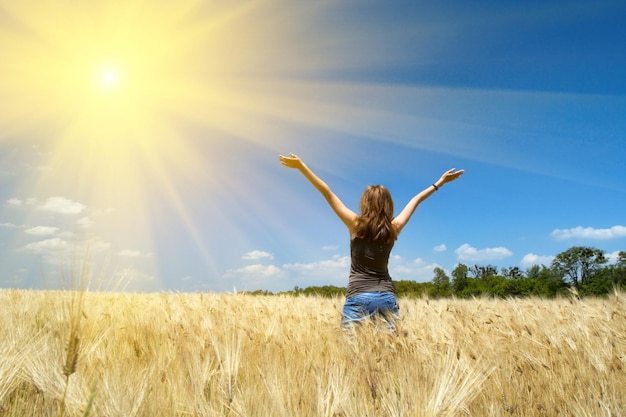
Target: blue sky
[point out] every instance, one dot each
(143, 138)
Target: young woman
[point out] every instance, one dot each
(372, 236)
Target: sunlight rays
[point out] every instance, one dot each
(111, 89)
(133, 101)
(111, 85)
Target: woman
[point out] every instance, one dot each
(372, 236)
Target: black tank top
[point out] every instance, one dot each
(369, 267)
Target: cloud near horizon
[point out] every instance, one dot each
(257, 254)
(417, 270)
(44, 246)
(255, 277)
(440, 248)
(62, 205)
(260, 269)
(130, 253)
(589, 233)
(17, 202)
(612, 257)
(41, 230)
(466, 252)
(331, 271)
(531, 259)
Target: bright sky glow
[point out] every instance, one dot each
(109, 77)
(148, 132)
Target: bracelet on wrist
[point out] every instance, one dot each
(436, 188)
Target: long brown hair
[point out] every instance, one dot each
(374, 223)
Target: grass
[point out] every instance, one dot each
(240, 355)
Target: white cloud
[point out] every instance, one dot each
(333, 271)
(589, 233)
(259, 270)
(129, 253)
(440, 248)
(62, 205)
(531, 259)
(466, 252)
(46, 245)
(42, 230)
(612, 257)
(85, 222)
(97, 246)
(320, 267)
(14, 202)
(417, 270)
(9, 225)
(257, 277)
(256, 255)
(330, 247)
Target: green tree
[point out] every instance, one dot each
(600, 283)
(473, 287)
(524, 287)
(483, 271)
(534, 271)
(609, 277)
(327, 291)
(578, 264)
(441, 283)
(459, 278)
(496, 285)
(549, 282)
(620, 269)
(512, 273)
(413, 289)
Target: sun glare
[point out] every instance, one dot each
(127, 96)
(109, 77)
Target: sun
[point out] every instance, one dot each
(109, 77)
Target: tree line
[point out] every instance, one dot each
(582, 269)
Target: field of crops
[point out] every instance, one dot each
(147, 355)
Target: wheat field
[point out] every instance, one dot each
(123, 355)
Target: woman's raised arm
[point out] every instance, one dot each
(405, 215)
(347, 216)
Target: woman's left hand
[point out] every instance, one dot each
(451, 175)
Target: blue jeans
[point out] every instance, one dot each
(368, 304)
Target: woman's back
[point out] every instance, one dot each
(369, 266)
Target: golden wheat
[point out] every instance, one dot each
(241, 355)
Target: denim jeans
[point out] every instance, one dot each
(368, 304)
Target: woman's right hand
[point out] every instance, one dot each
(291, 161)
